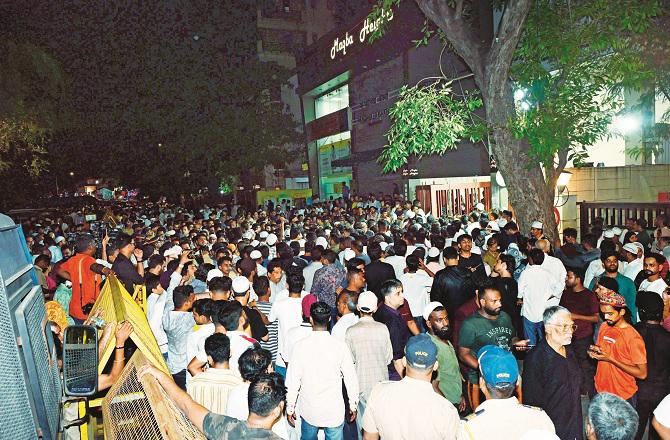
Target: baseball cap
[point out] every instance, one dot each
(367, 302)
(429, 308)
(240, 285)
(255, 254)
(630, 247)
(271, 240)
(421, 351)
(536, 225)
(433, 252)
(497, 365)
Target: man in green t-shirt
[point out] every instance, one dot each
(487, 326)
(627, 288)
(449, 382)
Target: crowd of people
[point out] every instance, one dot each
(368, 318)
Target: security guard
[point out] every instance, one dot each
(501, 416)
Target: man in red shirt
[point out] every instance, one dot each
(86, 277)
(619, 350)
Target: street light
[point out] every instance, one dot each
(563, 180)
(71, 173)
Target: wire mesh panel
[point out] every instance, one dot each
(39, 353)
(17, 419)
(79, 367)
(134, 409)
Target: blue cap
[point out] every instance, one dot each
(497, 365)
(421, 351)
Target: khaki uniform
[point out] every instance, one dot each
(504, 419)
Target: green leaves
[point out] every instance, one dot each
(429, 120)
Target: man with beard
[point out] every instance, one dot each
(626, 286)
(488, 326)
(551, 375)
(584, 307)
(653, 263)
(619, 349)
(448, 382)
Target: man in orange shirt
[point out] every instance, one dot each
(85, 275)
(620, 349)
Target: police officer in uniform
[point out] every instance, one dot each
(501, 415)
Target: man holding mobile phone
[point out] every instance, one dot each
(619, 349)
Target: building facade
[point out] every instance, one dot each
(347, 87)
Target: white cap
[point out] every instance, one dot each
(326, 231)
(248, 235)
(271, 240)
(630, 247)
(536, 225)
(255, 243)
(617, 230)
(321, 241)
(433, 252)
(173, 252)
(608, 234)
(383, 245)
(367, 302)
(429, 308)
(348, 254)
(479, 206)
(639, 245)
(170, 233)
(59, 239)
(493, 225)
(263, 234)
(216, 272)
(241, 284)
(255, 254)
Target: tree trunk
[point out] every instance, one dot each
(531, 197)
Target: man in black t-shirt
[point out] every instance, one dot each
(657, 342)
(469, 260)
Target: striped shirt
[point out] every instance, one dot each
(271, 344)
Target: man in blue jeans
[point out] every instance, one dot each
(318, 365)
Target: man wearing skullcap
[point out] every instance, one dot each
(619, 349)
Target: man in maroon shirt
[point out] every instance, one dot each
(584, 307)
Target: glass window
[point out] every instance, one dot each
(332, 101)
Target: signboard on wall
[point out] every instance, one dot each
(330, 152)
(328, 125)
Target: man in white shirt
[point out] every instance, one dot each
(233, 320)
(398, 260)
(653, 263)
(416, 287)
(554, 266)
(287, 311)
(202, 312)
(311, 269)
(314, 379)
(634, 256)
(410, 408)
(536, 293)
(346, 310)
(277, 279)
(155, 307)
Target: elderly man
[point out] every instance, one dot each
(610, 417)
(551, 374)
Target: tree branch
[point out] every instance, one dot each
(554, 173)
(458, 32)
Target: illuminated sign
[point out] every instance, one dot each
(340, 44)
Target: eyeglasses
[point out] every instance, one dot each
(566, 327)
